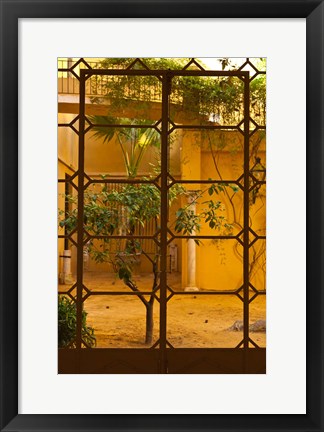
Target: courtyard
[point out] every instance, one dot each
(193, 321)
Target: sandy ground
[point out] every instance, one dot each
(193, 320)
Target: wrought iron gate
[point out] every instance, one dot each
(163, 356)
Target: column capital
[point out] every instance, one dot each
(192, 195)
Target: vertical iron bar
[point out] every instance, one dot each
(80, 210)
(164, 220)
(246, 211)
(67, 191)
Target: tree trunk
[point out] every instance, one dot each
(149, 323)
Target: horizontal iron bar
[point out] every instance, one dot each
(219, 127)
(121, 236)
(207, 237)
(218, 292)
(121, 293)
(209, 181)
(126, 70)
(114, 180)
(124, 126)
(141, 350)
(118, 180)
(137, 293)
(170, 73)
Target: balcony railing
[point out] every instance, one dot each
(99, 87)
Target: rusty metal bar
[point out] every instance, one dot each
(116, 125)
(164, 221)
(153, 181)
(201, 293)
(152, 237)
(122, 293)
(162, 72)
(216, 127)
(246, 211)
(205, 237)
(231, 127)
(79, 302)
(177, 293)
(210, 181)
(115, 180)
(137, 236)
(66, 208)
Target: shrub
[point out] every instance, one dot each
(67, 322)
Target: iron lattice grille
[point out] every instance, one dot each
(92, 81)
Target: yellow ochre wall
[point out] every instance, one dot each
(67, 151)
(219, 262)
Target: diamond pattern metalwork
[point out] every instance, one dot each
(239, 293)
(164, 236)
(247, 66)
(81, 61)
(137, 64)
(193, 65)
(87, 293)
(72, 292)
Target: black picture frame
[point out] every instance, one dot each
(11, 11)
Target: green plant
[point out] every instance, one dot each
(189, 223)
(67, 322)
(127, 211)
(133, 142)
(124, 211)
(221, 96)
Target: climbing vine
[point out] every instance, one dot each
(216, 98)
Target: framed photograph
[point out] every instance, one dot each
(135, 159)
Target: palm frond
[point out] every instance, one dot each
(100, 130)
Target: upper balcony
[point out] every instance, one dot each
(141, 98)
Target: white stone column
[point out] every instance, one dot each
(191, 249)
(66, 276)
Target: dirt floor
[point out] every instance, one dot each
(193, 320)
